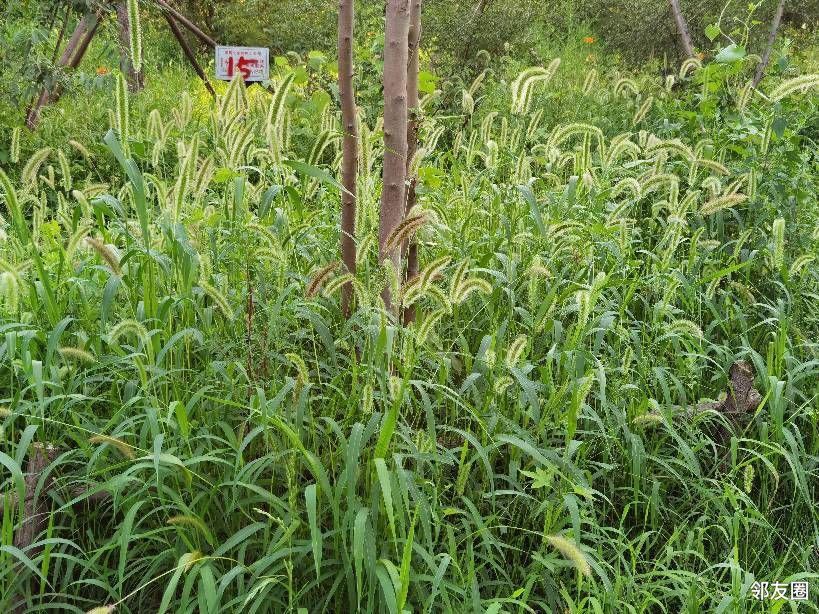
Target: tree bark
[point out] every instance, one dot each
(35, 516)
(349, 165)
(186, 49)
(82, 48)
(393, 190)
(682, 28)
(61, 33)
(413, 103)
(766, 56)
(45, 96)
(35, 505)
(135, 79)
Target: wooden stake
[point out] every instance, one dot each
(35, 513)
(35, 504)
(82, 48)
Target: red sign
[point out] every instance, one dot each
(252, 63)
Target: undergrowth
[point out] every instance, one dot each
(171, 322)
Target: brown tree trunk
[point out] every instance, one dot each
(766, 56)
(349, 165)
(682, 28)
(82, 48)
(135, 79)
(35, 518)
(413, 41)
(61, 33)
(35, 505)
(393, 190)
(45, 96)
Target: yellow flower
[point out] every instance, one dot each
(588, 40)
(102, 70)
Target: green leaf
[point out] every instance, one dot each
(17, 475)
(541, 478)
(426, 82)
(778, 126)
(359, 532)
(534, 208)
(316, 173)
(315, 534)
(730, 54)
(712, 31)
(208, 584)
(406, 559)
(137, 183)
(386, 494)
(223, 175)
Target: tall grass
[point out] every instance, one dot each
(520, 449)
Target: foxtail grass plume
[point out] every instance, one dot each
(570, 551)
(124, 448)
(689, 65)
(32, 168)
(318, 279)
(406, 229)
(135, 34)
(515, 351)
(778, 243)
(106, 253)
(523, 85)
(218, 298)
(77, 354)
(722, 202)
(14, 153)
(796, 85)
(642, 111)
(748, 479)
